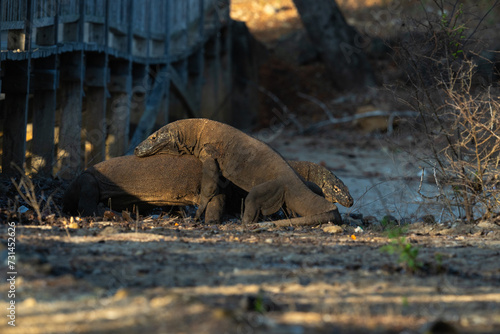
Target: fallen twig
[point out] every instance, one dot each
(375, 113)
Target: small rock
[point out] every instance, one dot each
(333, 229)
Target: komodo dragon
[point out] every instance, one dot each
(172, 180)
(245, 161)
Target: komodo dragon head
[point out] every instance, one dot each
(333, 188)
(163, 139)
(336, 191)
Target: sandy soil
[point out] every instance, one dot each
(168, 275)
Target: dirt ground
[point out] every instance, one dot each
(163, 273)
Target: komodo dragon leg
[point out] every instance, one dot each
(215, 209)
(269, 197)
(82, 196)
(209, 184)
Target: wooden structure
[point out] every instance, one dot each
(91, 77)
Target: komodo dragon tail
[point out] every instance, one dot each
(320, 218)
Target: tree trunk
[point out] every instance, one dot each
(339, 45)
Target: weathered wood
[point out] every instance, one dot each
(118, 110)
(16, 72)
(179, 86)
(14, 131)
(195, 80)
(97, 72)
(70, 124)
(132, 33)
(69, 153)
(118, 114)
(141, 87)
(46, 36)
(94, 125)
(16, 40)
(44, 110)
(94, 33)
(72, 66)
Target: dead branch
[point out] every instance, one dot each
(390, 122)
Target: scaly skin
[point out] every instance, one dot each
(332, 187)
(162, 180)
(245, 161)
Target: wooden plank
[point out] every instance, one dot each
(14, 132)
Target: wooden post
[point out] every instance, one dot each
(118, 112)
(16, 115)
(44, 111)
(14, 132)
(211, 89)
(70, 124)
(195, 82)
(141, 86)
(17, 98)
(94, 116)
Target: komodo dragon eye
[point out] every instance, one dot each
(153, 138)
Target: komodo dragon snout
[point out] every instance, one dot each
(155, 143)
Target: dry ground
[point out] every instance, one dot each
(167, 275)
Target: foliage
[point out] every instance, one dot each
(27, 190)
(458, 112)
(407, 254)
